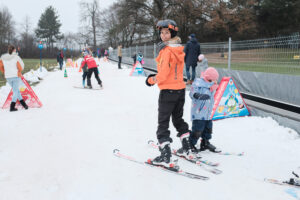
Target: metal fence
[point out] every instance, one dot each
(273, 55)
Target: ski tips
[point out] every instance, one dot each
(116, 151)
(150, 141)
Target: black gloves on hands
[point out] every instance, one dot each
(149, 76)
(201, 96)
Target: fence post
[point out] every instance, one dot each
(229, 53)
(154, 50)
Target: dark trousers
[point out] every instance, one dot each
(201, 128)
(61, 63)
(84, 75)
(187, 68)
(89, 75)
(119, 63)
(170, 104)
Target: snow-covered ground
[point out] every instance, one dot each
(64, 150)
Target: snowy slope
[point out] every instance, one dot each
(63, 151)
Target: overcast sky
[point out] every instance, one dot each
(68, 11)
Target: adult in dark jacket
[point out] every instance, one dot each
(60, 59)
(192, 51)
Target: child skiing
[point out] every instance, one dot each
(92, 68)
(170, 64)
(84, 73)
(202, 95)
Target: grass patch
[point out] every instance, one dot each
(34, 64)
(256, 67)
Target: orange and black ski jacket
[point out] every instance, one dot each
(170, 65)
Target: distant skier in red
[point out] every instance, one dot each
(92, 68)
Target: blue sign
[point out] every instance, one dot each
(40, 46)
(65, 49)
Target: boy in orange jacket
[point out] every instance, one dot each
(169, 78)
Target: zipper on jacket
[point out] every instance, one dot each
(176, 71)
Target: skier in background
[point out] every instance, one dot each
(169, 78)
(84, 71)
(202, 95)
(92, 68)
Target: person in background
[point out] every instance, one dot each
(203, 62)
(11, 65)
(192, 51)
(202, 95)
(60, 59)
(120, 56)
(92, 68)
(84, 71)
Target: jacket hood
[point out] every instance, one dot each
(173, 42)
(193, 40)
(202, 83)
(7, 56)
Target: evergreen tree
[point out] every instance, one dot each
(48, 27)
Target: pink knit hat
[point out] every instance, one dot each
(210, 74)
(201, 57)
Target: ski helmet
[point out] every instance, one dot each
(168, 23)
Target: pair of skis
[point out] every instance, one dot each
(204, 164)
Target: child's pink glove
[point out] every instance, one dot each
(214, 87)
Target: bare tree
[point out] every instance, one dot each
(27, 40)
(7, 33)
(90, 14)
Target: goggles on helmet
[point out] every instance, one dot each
(168, 23)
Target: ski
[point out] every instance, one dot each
(80, 87)
(197, 161)
(280, 182)
(228, 153)
(174, 170)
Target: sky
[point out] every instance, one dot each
(68, 11)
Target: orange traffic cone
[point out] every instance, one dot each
(80, 70)
(76, 65)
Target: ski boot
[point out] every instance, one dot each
(186, 149)
(295, 181)
(165, 158)
(206, 145)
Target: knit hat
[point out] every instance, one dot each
(210, 74)
(201, 57)
(192, 35)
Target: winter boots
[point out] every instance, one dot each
(12, 107)
(165, 158)
(13, 104)
(206, 145)
(186, 149)
(24, 104)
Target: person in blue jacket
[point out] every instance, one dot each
(202, 95)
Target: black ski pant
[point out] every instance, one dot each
(170, 104)
(119, 63)
(89, 75)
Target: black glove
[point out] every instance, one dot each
(149, 76)
(201, 96)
